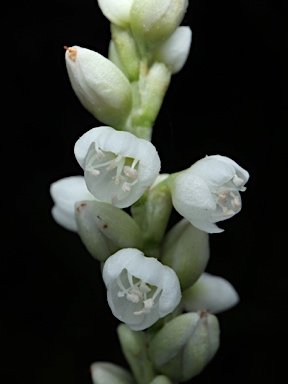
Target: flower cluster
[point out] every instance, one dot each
(155, 278)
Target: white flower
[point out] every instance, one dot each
(211, 293)
(175, 50)
(117, 11)
(208, 191)
(118, 166)
(65, 193)
(140, 289)
(101, 87)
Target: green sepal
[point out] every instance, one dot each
(185, 345)
(127, 51)
(134, 347)
(186, 250)
(152, 212)
(104, 229)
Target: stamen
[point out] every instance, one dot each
(236, 202)
(99, 154)
(120, 166)
(114, 198)
(130, 172)
(126, 187)
(222, 197)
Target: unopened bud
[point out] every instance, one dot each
(211, 293)
(161, 379)
(104, 229)
(154, 21)
(104, 373)
(127, 51)
(186, 250)
(185, 345)
(174, 51)
(152, 212)
(101, 87)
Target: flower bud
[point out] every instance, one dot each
(174, 51)
(185, 345)
(118, 166)
(117, 11)
(161, 379)
(134, 347)
(101, 87)
(212, 293)
(140, 289)
(127, 51)
(186, 250)
(104, 373)
(152, 212)
(104, 229)
(154, 21)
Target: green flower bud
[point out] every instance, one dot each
(104, 229)
(186, 250)
(185, 345)
(134, 346)
(151, 212)
(154, 21)
(161, 379)
(127, 51)
(104, 372)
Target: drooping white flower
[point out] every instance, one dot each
(213, 293)
(100, 85)
(117, 11)
(140, 289)
(118, 166)
(175, 50)
(65, 193)
(208, 191)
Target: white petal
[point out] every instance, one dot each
(213, 170)
(210, 292)
(65, 192)
(191, 197)
(207, 226)
(241, 172)
(117, 11)
(64, 218)
(175, 50)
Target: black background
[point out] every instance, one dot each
(229, 99)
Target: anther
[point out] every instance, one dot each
(130, 172)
